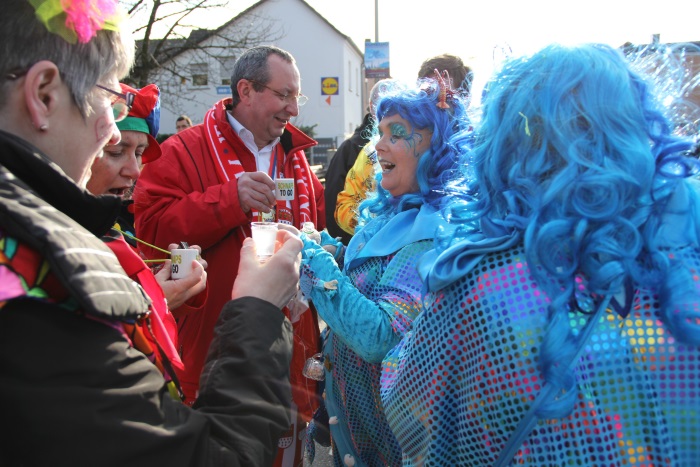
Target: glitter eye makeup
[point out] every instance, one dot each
(398, 131)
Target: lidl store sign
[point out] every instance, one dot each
(329, 86)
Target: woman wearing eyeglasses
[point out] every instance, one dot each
(75, 388)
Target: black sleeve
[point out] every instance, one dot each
(76, 393)
(338, 168)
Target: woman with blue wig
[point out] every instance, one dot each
(562, 323)
(371, 303)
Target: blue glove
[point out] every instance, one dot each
(339, 254)
(362, 324)
(309, 244)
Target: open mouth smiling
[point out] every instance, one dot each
(386, 165)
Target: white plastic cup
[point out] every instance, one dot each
(181, 262)
(314, 368)
(310, 230)
(264, 235)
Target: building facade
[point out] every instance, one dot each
(330, 64)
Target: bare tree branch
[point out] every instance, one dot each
(164, 31)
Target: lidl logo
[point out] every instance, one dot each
(329, 86)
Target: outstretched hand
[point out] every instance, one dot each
(277, 280)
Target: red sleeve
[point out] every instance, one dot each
(179, 198)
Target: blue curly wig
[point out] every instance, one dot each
(418, 106)
(574, 155)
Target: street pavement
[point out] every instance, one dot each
(323, 458)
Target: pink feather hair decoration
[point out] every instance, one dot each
(77, 20)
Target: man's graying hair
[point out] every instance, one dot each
(24, 41)
(252, 65)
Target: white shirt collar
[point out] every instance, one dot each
(247, 136)
(262, 156)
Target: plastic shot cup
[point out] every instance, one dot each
(264, 235)
(314, 368)
(181, 262)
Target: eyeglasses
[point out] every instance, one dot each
(300, 98)
(121, 103)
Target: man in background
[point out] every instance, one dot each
(183, 122)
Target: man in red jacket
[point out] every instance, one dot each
(215, 178)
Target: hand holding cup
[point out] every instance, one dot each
(178, 291)
(275, 281)
(182, 262)
(264, 235)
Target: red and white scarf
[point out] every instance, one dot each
(228, 166)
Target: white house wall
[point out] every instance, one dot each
(320, 51)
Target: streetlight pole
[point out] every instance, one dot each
(376, 39)
(376, 20)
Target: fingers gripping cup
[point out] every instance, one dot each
(181, 262)
(264, 235)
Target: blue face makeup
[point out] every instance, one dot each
(400, 132)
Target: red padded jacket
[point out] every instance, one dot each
(179, 197)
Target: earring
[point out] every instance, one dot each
(43, 127)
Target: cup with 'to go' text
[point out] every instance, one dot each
(181, 262)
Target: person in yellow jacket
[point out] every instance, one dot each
(358, 182)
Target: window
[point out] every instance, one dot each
(349, 76)
(200, 74)
(225, 69)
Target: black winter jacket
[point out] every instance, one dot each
(338, 168)
(76, 393)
